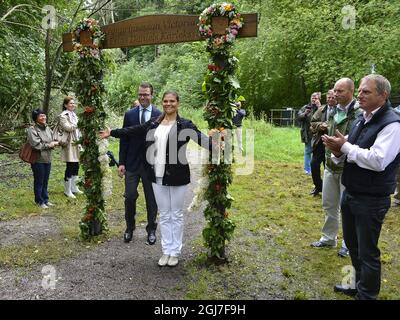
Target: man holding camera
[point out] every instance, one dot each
(319, 126)
(304, 117)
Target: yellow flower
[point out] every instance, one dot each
(228, 7)
(236, 21)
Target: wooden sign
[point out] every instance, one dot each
(160, 29)
(219, 25)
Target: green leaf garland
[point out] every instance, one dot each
(220, 87)
(89, 93)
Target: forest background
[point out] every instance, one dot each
(302, 47)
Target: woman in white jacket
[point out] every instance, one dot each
(68, 122)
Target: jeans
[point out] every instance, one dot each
(41, 174)
(307, 156)
(362, 219)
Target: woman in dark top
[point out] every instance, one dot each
(166, 162)
(40, 138)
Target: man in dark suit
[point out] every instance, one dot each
(131, 164)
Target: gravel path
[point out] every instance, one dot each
(112, 270)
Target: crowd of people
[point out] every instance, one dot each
(360, 140)
(356, 140)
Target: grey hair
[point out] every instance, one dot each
(331, 91)
(382, 84)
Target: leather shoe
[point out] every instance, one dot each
(345, 290)
(128, 236)
(343, 252)
(151, 237)
(315, 192)
(322, 244)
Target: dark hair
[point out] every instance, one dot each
(67, 99)
(36, 113)
(147, 85)
(174, 93)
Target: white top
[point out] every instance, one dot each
(382, 152)
(160, 142)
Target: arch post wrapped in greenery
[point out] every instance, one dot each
(93, 158)
(220, 87)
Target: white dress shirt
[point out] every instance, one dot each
(147, 114)
(384, 150)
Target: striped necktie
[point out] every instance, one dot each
(143, 118)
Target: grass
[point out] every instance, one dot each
(270, 255)
(17, 202)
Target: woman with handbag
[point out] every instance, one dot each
(68, 124)
(40, 137)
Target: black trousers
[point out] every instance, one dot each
(132, 180)
(318, 157)
(72, 169)
(362, 219)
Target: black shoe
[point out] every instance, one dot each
(315, 192)
(345, 290)
(151, 237)
(128, 235)
(322, 244)
(343, 252)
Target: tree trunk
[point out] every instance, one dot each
(49, 73)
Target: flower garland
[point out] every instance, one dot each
(104, 160)
(220, 87)
(93, 158)
(220, 42)
(97, 37)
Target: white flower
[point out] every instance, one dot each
(199, 192)
(106, 180)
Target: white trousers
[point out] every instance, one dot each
(332, 190)
(170, 202)
(238, 131)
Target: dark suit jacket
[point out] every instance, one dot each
(132, 152)
(177, 171)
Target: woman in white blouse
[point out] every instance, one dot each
(166, 142)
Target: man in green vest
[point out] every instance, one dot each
(332, 187)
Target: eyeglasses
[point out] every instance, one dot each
(144, 95)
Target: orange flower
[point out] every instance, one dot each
(89, 109)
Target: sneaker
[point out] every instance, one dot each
(343, 252)
(43, 206)
(173, 261)
(322, 244)
(163, 260)
(49, 204)
(307, 172)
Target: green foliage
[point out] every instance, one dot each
(303, 47)
(175, 69)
